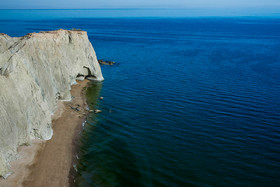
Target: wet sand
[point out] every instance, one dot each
(48, 163)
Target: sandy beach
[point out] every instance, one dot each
(48, 163)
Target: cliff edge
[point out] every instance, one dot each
(36, 71)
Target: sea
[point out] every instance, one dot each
(190, 101)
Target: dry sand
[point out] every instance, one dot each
(48, 163)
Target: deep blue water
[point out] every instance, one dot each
(190, 101)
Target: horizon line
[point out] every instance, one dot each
(123, 8)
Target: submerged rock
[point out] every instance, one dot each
(106, 62)
(36, 71)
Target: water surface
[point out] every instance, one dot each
(190, 102)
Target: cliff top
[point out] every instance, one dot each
(56, 32)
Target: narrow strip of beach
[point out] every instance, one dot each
(49, 163)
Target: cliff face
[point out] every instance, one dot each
(36, 71)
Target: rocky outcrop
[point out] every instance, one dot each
(36, 71)
(106, 62)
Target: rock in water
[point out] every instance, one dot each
(106, 62)
(36, 70)
(97, 111)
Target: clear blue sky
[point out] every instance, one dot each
(76, 4)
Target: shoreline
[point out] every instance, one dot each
(50, 163)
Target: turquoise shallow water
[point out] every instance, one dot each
(190, 102)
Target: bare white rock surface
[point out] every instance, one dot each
(36, 71)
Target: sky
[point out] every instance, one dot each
(81, 4)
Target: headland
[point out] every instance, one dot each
(42, 78)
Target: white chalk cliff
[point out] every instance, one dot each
(36, 71)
